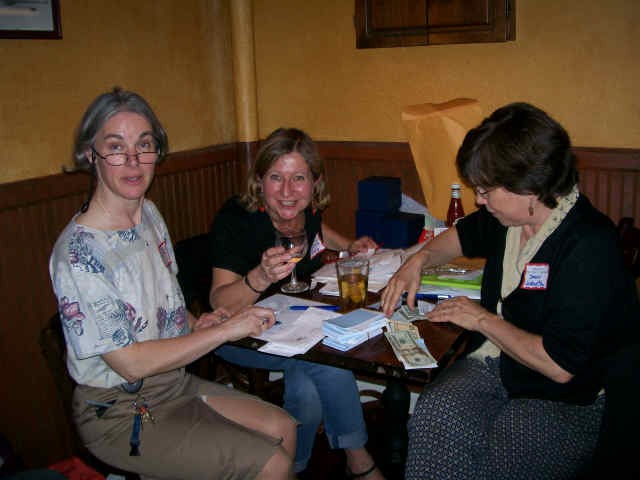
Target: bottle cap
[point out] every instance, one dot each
(455, 185)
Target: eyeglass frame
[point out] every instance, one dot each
(106, 157)
(485, 193)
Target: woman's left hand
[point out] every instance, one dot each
(362, 244)
(459, 310)
(208, 319)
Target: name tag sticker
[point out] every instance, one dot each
(535, 276)
(317, 246)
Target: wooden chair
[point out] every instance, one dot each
(630, 237)
(630, 240)
(53, 348)
(617, 445)
(617, 442)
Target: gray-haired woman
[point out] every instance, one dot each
(129, 335)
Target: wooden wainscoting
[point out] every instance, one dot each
(610, 177)
(188, 189)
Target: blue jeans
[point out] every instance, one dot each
(313, 393)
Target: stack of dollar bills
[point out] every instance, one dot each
(353, 328)
(406, 341)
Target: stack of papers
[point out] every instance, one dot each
(297, 331)
(351, 329)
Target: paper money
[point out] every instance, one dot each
(399, 326)
(406, 346)
(410, 314)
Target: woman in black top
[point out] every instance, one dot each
(556, 301)
(286, 192)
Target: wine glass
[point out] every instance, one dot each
(297, 245)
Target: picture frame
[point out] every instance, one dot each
(39, 19)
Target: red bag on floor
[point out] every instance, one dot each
(75, 469)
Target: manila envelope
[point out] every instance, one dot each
(435, 132)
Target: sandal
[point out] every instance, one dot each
(350, 474)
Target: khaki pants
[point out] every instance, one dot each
(189, 440)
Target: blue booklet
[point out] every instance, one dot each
(344, 345)
(354, 322)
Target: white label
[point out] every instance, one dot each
(535, 276)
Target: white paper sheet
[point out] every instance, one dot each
(298, 330)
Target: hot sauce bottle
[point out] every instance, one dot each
(455, 206)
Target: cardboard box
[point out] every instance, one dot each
(379, 194)
(390, 230)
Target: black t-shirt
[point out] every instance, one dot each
(588, 309)
(239, 237)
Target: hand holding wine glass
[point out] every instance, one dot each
(296, 245)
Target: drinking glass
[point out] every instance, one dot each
(353, 280)
(297, 245)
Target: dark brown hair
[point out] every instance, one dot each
(522, 149)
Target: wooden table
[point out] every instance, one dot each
(375, 357)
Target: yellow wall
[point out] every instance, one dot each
(577, 59)
(175, 53)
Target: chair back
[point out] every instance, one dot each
(630, 239)
(617, 446)
(54, 351)
(194, 271)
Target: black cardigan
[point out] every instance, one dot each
(588, 309)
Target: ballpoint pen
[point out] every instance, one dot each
(333, 308)
(433, 297)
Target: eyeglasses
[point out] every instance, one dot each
(483, 193)
(145, 153)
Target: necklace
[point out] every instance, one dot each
(104, 209)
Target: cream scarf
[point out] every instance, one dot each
(515, 259)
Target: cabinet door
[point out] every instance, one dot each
(397, 23)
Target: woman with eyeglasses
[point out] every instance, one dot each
(129, 335)
(557, 303)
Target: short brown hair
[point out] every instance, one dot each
(522, 149)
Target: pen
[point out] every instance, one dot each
(333, 308)
(93, 403)
(432, 296)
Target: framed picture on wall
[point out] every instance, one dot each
(30, 19)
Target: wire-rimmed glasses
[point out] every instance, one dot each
(145, 153)
(297, 245)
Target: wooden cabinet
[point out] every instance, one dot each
(404, 23)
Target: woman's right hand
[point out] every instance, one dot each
(250, 321)
(275, 264)
(406, 279)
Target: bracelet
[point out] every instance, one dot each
(246, 281)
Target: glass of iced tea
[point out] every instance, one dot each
(353, 279)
